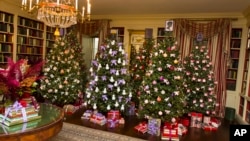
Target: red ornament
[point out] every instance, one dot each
(158, 99)
(171, 68)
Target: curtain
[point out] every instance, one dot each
(217, 33)
(95, 28)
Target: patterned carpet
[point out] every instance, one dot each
(71, 132)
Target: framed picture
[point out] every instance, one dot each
(169, 25)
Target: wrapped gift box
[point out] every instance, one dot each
(182, 130)
(154, 126)
(196, 120)
(209, 127)
(185, 121)
(215, 122)
(121, 121)
(98, 118)
(169, 138)
(206, 119)
(113, 114)
(141, 127)
(87, 114)
(112, 123)
(17, 114)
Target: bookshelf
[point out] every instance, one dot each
(6, 37)
(232, 71)
(29, 40)
(50, 38)
(120, 33)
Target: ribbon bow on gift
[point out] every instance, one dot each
(16, 106)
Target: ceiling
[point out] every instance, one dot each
(135, 7)
(128, 7)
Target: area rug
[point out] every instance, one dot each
(72, 132)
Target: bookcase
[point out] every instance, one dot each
(120, 33)
(50, 38)
(232, 71)
(30, 40)
(244, 97)
(6, 37)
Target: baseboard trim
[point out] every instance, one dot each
(240, 120)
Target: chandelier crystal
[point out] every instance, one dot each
(57, 13)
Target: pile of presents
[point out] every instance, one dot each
(19, 112)
(173, 130)
(113, 119)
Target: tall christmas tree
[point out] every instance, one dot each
(108, 86)
(199, 81)
(138, 67)
(161, 91)
(64, 71)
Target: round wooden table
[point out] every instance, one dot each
(49, 125)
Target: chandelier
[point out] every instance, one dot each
(57, 13)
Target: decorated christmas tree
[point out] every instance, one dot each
(161, 91)
(108, 86)
(64, 71)
(138, 66)
(199, 81)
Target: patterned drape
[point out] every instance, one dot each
(95, 28)
(217, 33)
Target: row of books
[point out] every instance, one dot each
(232, 74)
(6, 38)
(50, 36)
(30, 32)
(4, 27)
(29, 50)
(30, 23)
(5, 47)
(6, 17)
(29, 41)
(50, 43)
(3, 58)
(32, 59)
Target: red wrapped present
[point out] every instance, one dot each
(98, 118)
(215, 122)
(206, 119)
(113, 114)
(141, 127)
(163, 137)
(209, 127)
(185, 121)
(196, 120)
(154, 126)
(182, 130)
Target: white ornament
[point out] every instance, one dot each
(130, 94)
(146, 101)
(111, 79)
(113, 97)
(115, 84)
(108, 107)
(116, 104)
(118, 89)
(122, 107)
(123, 92)
(110, 51)
(96, 78)
(119, 61)
(94, 107)
(107, 67)
(105, 91)
(160, 113)
(96, 90)
(117, 73)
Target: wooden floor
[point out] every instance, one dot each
(194, 134)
